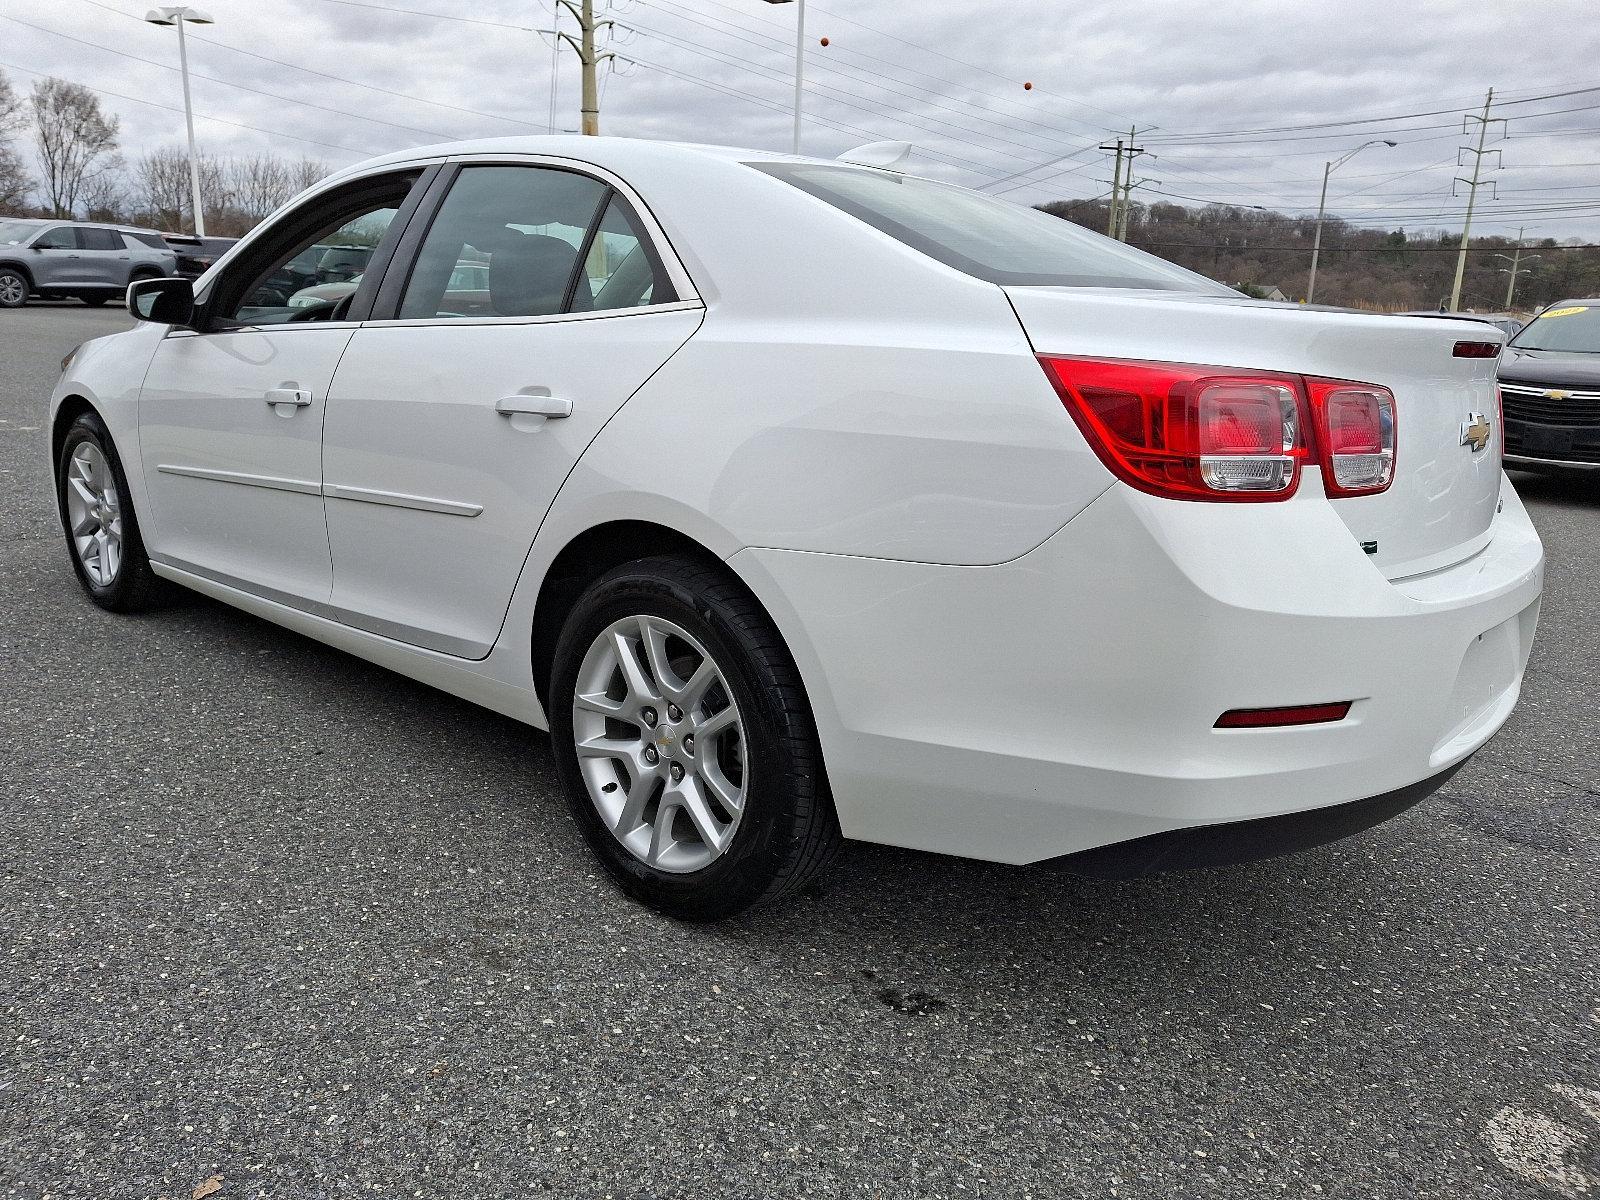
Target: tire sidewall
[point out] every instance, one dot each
(119, 593)
(780, 779)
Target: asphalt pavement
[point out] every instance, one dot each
(272, 914)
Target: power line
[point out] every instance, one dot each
(371, 87)
(204, 116)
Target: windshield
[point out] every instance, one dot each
(983, 236)
(1568, 327)
(12, 232)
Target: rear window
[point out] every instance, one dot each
(984, 236)
(96, 238)
(1565, 327)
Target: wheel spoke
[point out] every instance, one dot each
(705, 824)
(730, 797)
(698, 684)
(599, 702)
(639, 690)
(661, 836)
(84, 491)
(110, 554)
(654, 641)
(610, 747)
(644, 786)
(84, 524)
(716, 722)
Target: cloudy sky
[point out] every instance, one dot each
(1242, 102)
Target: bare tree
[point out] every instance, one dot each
(307, 172)
(76, 141)
(260, 184)
(161, 179)
(15, 182)
(105, 197)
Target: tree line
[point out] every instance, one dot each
(80, 172)
(1394, 270)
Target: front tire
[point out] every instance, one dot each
(14, 288)
(101, 527)
(685, 742)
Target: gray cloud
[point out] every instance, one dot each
(719, 71)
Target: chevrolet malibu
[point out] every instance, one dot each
(805, 500)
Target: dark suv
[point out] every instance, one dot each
(1550, 388)
(74, 258)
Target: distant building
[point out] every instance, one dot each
(1271, 291)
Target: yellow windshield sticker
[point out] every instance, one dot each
(1565, 312)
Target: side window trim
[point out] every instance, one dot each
(585, 248)
(403, 261)
(260, 252)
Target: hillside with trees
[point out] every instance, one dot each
(1394, 270)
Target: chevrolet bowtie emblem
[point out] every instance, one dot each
(1475, 431)
(1556, 395)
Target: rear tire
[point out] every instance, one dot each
(101, 528)
(14, 288)
(715, 858)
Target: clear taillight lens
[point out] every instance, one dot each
(1356, 435)
(1248, 435)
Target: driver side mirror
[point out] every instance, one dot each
(162, 301)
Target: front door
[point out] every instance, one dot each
(59, 258)
(231, 414)
(535, 308)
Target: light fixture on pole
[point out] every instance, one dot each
(180, 15)
(799, 62)
(1322, 204)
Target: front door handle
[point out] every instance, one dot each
(553, 407)
(298, 397)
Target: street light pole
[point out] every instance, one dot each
(1322, 206)
(179, 16)
(799, 63)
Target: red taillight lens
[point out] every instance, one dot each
(1355, 434)
(1271, 718)
(1188, 432)
(1477, 350)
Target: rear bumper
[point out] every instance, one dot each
(1544, 464)
(1233, 842)
(1067, 699)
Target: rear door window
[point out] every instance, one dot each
(984, 236)
(100, 239)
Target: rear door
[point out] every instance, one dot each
(106, 261)
(459, 410)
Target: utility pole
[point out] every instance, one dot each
(1116, 187)
(1119, 190)
(1322, 207)
(1127, 202)
(1515, 258)
(1472, 192)
(583, 12)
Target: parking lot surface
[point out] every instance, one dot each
(275, 915)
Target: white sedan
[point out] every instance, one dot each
(803, 500)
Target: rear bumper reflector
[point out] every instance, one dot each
(1269, 718)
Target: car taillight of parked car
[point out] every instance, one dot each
(1219, 433)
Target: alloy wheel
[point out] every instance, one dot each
(660, 744)
(13, 290)
(94, 511)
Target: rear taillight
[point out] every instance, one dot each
(1193, 433)
(1219, 433)
(1355, 434)
(1477, 350)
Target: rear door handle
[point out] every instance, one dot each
(553, 407)
(298, 397)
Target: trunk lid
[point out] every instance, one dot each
(1441, 505)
